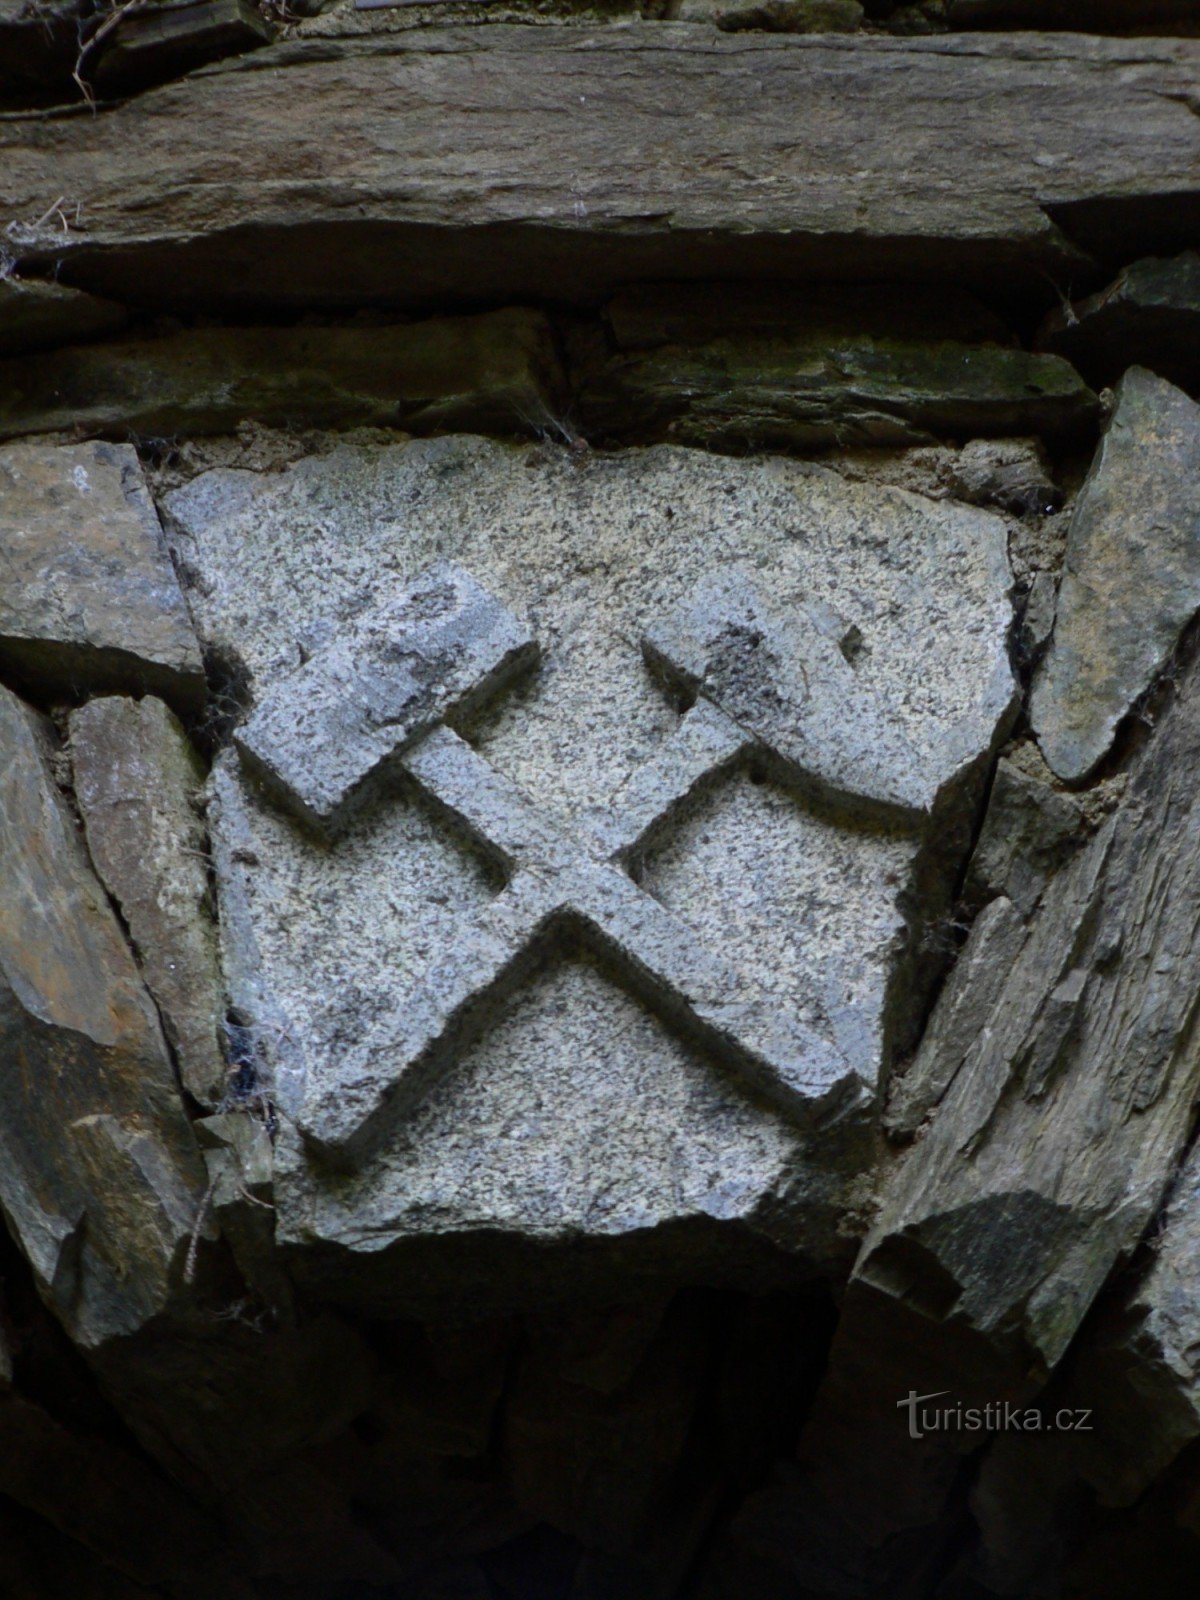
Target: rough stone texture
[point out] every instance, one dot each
(1148, 315)
(776, 16)
(1132, 577)
(1029, 830)
(384, 972)
(818, 369)
(1037, 617)
(36, 316)
(137, 782)
(494, 371)
(1091, 1037)
(785, 672)
(239, 1154)
(90, 599)
(964, 1006)
(573, 1057)
(100, 1180)
(1050, 1154)
(512, 161)
(173, 38)
(1135, 1373)
(442, 646)
(1011, 473)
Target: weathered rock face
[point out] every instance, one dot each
(1029, 830)
(761, 370)
(100, 1179)
(584, 1007)
(542, 188)
(1132, 578)
(1066, 1094)
(1091, 1035)
(137, 781)
(777, 16)
(494, 371)
(90, 598)
(673, 889)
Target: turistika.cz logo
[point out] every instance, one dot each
(997, 1416)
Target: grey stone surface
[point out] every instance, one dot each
(785, 673)
(1037, 619)
(1029, 830)
(1049, 1157)
(1075, 1096)
(1011, 473)
(89, 599)
(443, 645)
(239, 1153)
(581, 862)
(556, 879)
(1132, 577)
(962, 1011)
(137, 782)
(100, 1180)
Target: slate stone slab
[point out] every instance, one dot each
(90, 600)
(732, 368)
(446, 190)
(137, 782)
(174, 37)
(101, 1180)
(1029, 831)
(1131, 582)
(1051, 1153)
(497, 370)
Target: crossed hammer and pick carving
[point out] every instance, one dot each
(377, 700)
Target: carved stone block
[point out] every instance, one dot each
(614, 939)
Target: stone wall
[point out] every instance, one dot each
(599, 851)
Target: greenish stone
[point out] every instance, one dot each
(818, 383)
(494, 372)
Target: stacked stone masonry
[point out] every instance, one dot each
(599, 851)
